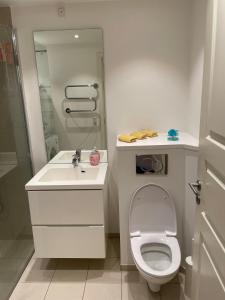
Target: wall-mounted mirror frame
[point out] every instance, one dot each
(70, 69)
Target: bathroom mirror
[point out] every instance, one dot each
(70, 66)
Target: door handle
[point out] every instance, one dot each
(196, 189)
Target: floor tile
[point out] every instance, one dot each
(11, 269)
(30, 291)
(6, 289)
(113, 248)
(103, 284)
(93, 279)
(10, 272)
(39, 270)
(134, 287)
(170, 291)
(72, 264)
(104, 264)
(132, 277)
(67, 285)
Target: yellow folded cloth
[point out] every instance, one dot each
(140, 135)
(150, 133)
(127, 138)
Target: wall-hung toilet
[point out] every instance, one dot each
(153, 230)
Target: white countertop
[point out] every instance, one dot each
(186, 141)
(63, 177)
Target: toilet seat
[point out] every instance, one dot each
(170, 243)
(152, 210)
(153, 230)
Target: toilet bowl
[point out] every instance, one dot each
(153, 229)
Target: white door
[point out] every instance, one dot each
(209, 240)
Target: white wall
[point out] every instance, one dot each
(146, 67)
(196, 62)
(191, 168)
(197, 42)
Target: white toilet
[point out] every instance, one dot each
(153, 230)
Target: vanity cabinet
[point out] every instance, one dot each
(76, 207)
(69, 223)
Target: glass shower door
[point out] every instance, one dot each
(16, 243)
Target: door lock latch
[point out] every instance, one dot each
(196, 189)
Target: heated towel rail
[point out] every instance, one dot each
(88, 99)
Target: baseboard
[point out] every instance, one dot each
(128, 268)
(113, 235)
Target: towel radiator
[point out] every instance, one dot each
(68, 110)
(88, 99)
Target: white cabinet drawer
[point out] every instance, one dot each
(69, 241)
(81, 207)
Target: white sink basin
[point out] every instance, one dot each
(65, 157)
(71, 174)
(65, 176)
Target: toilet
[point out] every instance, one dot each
(153, 230)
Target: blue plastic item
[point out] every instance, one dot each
(173, 135)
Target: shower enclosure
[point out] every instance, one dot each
(16, 243)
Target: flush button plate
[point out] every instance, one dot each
(152, 164)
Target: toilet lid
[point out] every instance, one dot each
(152, 211)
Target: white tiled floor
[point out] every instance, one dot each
(67, 284)
(13, 259)
(71, 279)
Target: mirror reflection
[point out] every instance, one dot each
(70, 70)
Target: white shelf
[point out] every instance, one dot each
(186, 141)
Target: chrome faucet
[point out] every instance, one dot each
(76, 158)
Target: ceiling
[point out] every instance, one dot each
(41, 2)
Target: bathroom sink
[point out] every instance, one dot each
(65, 157)
(70, 174)
(65, 176)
